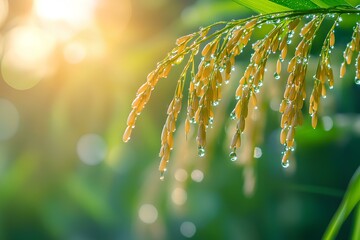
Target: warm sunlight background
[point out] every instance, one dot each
(69, 71)
(78, 13)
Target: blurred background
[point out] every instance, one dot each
(69, 72)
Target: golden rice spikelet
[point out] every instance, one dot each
(236, 140)
(352, 46)
(332, 39)
(294, 93)
(342, 69)
(217, 47)
(127, 133)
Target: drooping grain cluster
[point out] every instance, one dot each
(295, 93)
(351, 47)
(218, 51)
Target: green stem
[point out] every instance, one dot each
(356, 227)
(349, 202)
(262, 19)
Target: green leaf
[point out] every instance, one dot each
(269, 6)
(205, 13)
(263, 6)
(353, 2)
(356, 227)
(351, 199)
(330, 3)
(297, 4)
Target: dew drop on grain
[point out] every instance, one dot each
(233, 156)
(162, 175)
(201, 151)
(276, 76)
(285, 164)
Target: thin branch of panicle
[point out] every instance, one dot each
(218, 50)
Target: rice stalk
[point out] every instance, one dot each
(218, 51)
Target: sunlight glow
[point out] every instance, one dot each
(29, 47)
(76, 13)
(27, 55)
(4, 9)
(74, 52)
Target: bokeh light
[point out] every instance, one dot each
(328, 123)
(179, 196)
(27, 56)
(9, 120)
(91, 149)
(188, 229)
(74, 52)
(257, 152)
(181, 175)
(357, 125)
(148, 213)
(77, 64)
(197, 175)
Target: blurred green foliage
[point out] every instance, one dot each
(65, 173)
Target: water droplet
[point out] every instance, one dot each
(288, 41)
(233, 156)
(201, 151)
(227, 82)
(215, 103)
(211, 120)
(285, 164)
(291, 33)
(357, 81)
(162, 175)
(233, 115)
(276, 76)
(179, 59)
(257, 152)
(331, 87)
(192, 120)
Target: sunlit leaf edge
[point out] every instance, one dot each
(263, 6)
